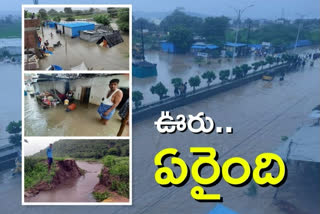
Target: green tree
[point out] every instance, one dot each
(114, 151)
(68, 10)
(244, 69)
(182, 38)
(57, 19)
(194, 82)
(43, 14)
(137, 97)
(237, 72)
(102, 19)
(270, 60)
(256, 65)
(160, 90)
(52, 12)
(209, 76)
(224, 75)
(123, 19)
(176, 82)
(214, 29)
(70, 19)
(14, 129)
(179, 18)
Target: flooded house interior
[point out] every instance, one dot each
(77, 118)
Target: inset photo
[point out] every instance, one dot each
(82, 37)
(77, 171)
(70, 104)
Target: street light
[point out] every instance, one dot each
(239, 12)
(298, 33)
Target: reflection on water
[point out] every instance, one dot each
(55, 121)
(73, 190)
(75, 51)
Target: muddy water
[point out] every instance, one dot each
(55, 121)
(73, 190)
(259, 112)
(75, 51)
(174, 65)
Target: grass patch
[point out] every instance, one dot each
(36, 170)
(118, 168)
(101, 196)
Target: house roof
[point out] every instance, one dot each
(304, 145)
(201, 45)
(75, 24)
(235, 44)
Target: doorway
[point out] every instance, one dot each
(85, 95)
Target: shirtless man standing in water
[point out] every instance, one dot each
(110, 102)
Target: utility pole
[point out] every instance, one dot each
(239, 12)
(298, 33)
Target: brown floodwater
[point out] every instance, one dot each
(75, 51)
(55, 121)
(73, 190)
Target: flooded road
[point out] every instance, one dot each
(75, 51)
(259, 112)
(73, 190)
(184, 66)
(10, 94)
(55, 121)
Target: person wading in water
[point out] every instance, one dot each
(110, 102)
(49, 155)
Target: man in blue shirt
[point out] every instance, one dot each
(49, 155)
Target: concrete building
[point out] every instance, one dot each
(73, 29)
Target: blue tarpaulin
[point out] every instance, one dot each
(51, 24)
(231, 44)
(255, 46)
(220, 209)
(167, 47)
(204, 46)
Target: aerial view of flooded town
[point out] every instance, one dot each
(76, 38)
(254, 67)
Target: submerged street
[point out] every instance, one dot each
(74, 51)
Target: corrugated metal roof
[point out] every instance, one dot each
(199, 45)
(304, 145)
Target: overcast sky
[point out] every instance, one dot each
(36, 144)
(269, 9)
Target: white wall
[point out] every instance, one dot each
(99, 86)
(68, 31)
